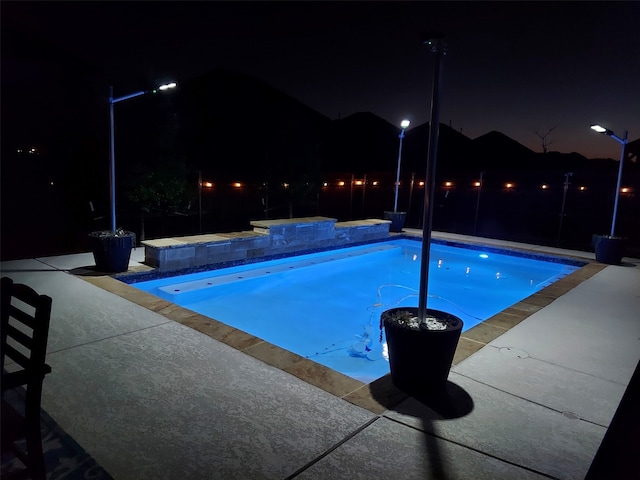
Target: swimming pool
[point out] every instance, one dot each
(326, 306)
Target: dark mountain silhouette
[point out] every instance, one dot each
(495, 150)
(563, 162)
(363, 142)
(233, 124)
(453, 150)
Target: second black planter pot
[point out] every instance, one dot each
(112, 252)
(397, 220)
(609, 250)
(420, 360)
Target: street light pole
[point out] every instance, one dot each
(112, 155)
(623, 141)
(403, 125)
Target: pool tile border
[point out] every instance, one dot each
(377, 396)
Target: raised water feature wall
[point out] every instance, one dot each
(268, 237)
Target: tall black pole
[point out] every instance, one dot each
(112, 163)
(437, 45)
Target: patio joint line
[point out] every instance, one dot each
(564, 367)
(455, 442)
(107, 338)
(52, 266)
(333, 448)
(529, 400)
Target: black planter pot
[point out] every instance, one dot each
(110, 252)
(420, 360)
(609, 250)
(397, 220)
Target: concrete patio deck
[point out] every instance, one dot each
(151, 398)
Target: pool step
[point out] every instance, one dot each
(275, 266)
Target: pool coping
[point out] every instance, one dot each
(379, 395)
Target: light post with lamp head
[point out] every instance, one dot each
(403, 125)
(112, 155)
(398, 218)
(112, 248)
(610, 249)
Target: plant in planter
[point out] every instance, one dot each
(397, 218)
(610, 248)
(421, 342)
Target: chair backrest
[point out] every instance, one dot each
(24, 330)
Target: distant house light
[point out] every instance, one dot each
(544, 186)
(625, 190)
(324, 184)
(509, 185)
(476, 184)
(421, 184)
(358, 182)
(448, 184)
(285, 185)
(375, 182)
(237, 185)
(207, 184)
(582, 188)
(341, 183)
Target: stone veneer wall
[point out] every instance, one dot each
(269, 237)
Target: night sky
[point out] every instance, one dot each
(515, 67)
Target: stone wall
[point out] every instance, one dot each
(269, 237)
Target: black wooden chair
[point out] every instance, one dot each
(24, 331)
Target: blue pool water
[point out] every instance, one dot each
(326, 306)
